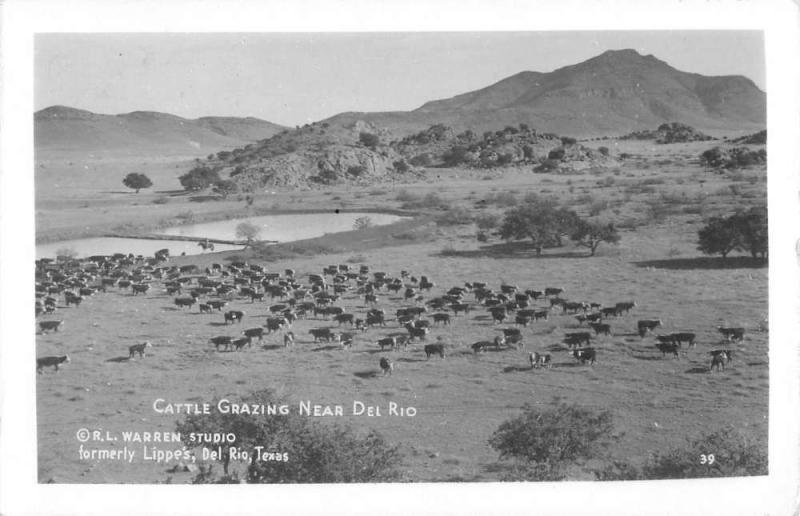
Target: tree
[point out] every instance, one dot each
(591, 234)
(546, 440)
(136, 181)
(542, 222)
(199, 178)
(248, 231)
(311, 452)
(455, 156)
(745, 231)
(369, 140)
(717, 237)
(401, 166)
(225, 187)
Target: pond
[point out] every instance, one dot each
(281, 228)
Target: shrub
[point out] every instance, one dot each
(401, 166)
(603, 150)
(405, 196)
(548, 165)
(567, 140)
(225, 187)
(556, 154)
(317, 452)
(356, 170)
(544, 441)
(369, 140)
(487, 221)
(421, 160)
(161, 200)
(199, 178)
(727, 454)
(455, 156)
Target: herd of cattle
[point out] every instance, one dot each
(322, 296)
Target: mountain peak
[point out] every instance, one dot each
(63, 113)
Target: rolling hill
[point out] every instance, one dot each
(616, 92)
(65, 129)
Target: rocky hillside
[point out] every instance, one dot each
(65, 129)
(614, 93)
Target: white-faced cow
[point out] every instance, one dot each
(647, 325)
(234, 315)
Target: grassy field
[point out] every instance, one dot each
(658, 198)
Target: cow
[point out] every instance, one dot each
(221, 341)
(434, 349)
(459, 307)
(599, 328)
(609, 312)
(534, 294)
(204, 308)
(181, 302)
(375, 319)
(416, 333)
(288, 339)
(387, 366)
(275, 324)
(441, 318)
(217, 304)
(72, 298)
(346, 340)
(499, 315)
(682, 337)
(508, 332)
(46, 326)
(578, 338)
(541, 314)
(732, 334)
(668, 347)
(234, 315)
(138, 348)
(370, 299)
(552, 291)
(321, 333)
(515, 341)
(484, 344)
(573, 306)
(720, 358)
(344, 318)
(539, 360)
(238, 344)
(256, 296)
(391, 342)
(360, 325)
(647, 325)
(522, 320)
(625, 306)
(665, 339)
(43, 362)
(140, 288)
(252, 333)
(596, 317)
(585, 355)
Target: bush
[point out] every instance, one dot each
(733, 456)
(401, 166)
(161, 200)
(356, 170)
(199, 178)
(556, 154)
(317, 453)
(567, 140)
(548, 165)
(405, 196)
(369, 140)
(544, 441)
(603, 150)
(455, 156)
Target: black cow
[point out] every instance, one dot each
(253, 333)
(276, 324)
(238, 344)
(344, 318)
(55, 362)
(599, 328)
(391, 342)
(204, 308)
(665, 348)
(522, 320)
(585, 355)
(386, 365)
(625, 306)
(441, 318)
(434, 349)
(686, 337)
(416, 333)
(184, 301)
(720, 358)
(459, 307)
(609, 312)
(577, 338)
(221, 341)
(321, 333)
(552, 291)
(46, 326)
(484, 344)
(217, 304)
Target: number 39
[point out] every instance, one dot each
(707, 459)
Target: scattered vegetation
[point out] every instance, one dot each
(669, 133)
(544, 442)
(199, 178)
(737, 157)
(317, 453)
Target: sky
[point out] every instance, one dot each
(296, 78)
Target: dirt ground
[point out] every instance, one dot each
(658, 198)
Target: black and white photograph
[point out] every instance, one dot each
(513, 258)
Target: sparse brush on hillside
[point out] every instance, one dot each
(669, 133)
(311, 452)
(737, 157)
(542, 443)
